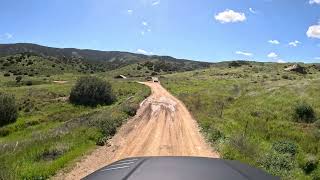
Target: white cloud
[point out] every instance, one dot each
(314, 2)
(244, 53)
(230, 16)
(252, 11)
(149, 30)
(129, 11)
(6, 36)
(142, 33)
(317, 58)
(314, 31)
(142, 51)
(144, 23)
(274, 41)
(155, 3)
(272, 55)
(294, 43)
(281, 61)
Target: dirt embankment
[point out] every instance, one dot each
(162, 127)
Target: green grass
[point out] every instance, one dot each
(244, 111)
(51, 133)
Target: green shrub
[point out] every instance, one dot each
(316, 174)
(234, 64)
(28, 83)
(8, 109)
(317, 124)
(242, 143)
(91, 91)
(284, 147)
(214, 135)
(130, 109)
(277, 164)
(285, 76)
(4, 132)
(308, 163)
(50, 155)
(18, 79)
(101, 141)
(109, 127)
(303, 112)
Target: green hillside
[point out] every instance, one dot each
(107, 60)
(50, 132)
(250, 112)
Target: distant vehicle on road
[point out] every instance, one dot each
(155, 79)
(178, 168)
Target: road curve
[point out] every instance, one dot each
(162, 127)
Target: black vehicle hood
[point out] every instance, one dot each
(178, 168)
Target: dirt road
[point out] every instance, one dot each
(162, 127)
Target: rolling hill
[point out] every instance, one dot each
(109, 59)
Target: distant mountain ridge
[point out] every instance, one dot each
(87, 54)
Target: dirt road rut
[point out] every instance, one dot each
(162, 127)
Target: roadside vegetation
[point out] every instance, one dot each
(257, 113)
(8, 109)
(92, 91)
(42, 132)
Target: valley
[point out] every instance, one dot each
(262, 114)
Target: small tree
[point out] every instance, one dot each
(8, 109)
(91, 91)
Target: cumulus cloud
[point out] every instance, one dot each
(142, 51)
(272, 55)
(230, 16)
(252, 11)
(294, 43)
(155, 3)
(314, 31)
(6, 36)
(144, 23)
(129, 11)
(244, 53)
(274, 42)
(314, 2)
(281, 61)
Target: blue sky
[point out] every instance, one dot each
(209, 30)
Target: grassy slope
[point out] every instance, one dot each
(245, 110)
(50, 133)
